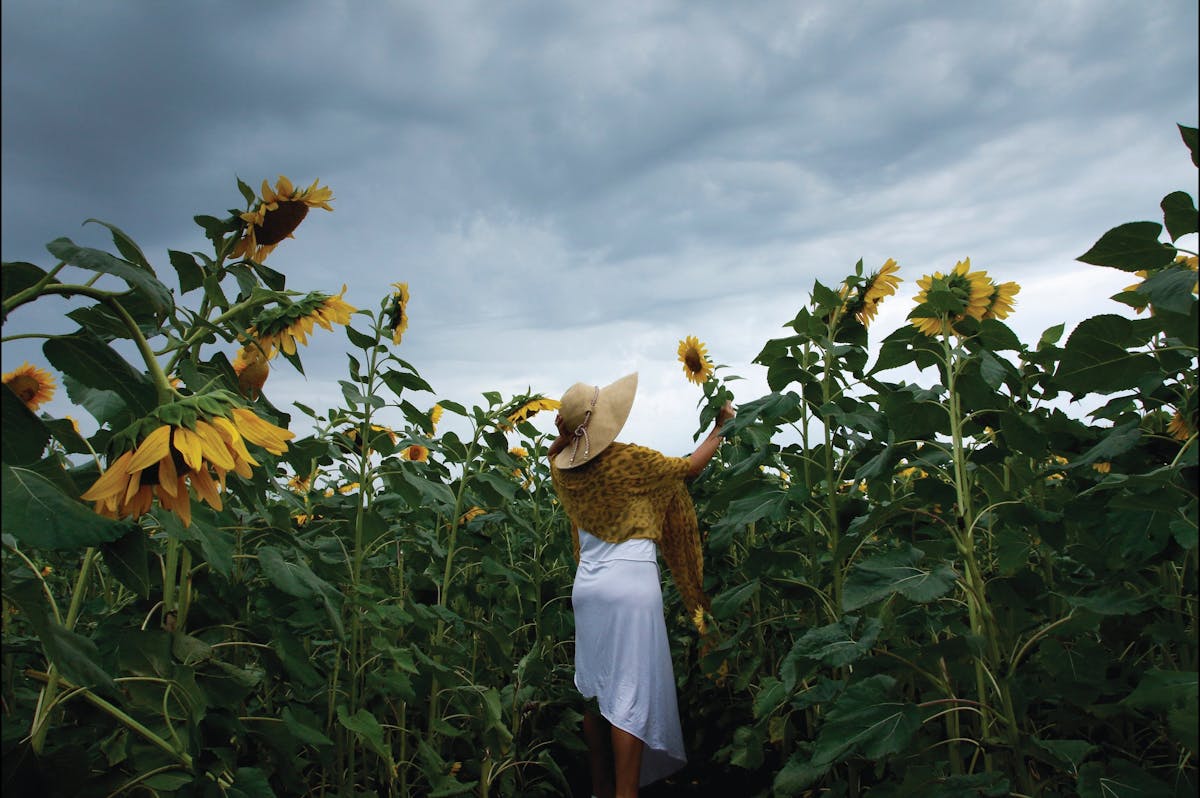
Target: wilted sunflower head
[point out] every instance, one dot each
(696, 365)
(276, 215)
(32, 385)
(530, 408)
(191, 441)
(281, 327)
(398, 312)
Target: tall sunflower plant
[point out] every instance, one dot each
(176, 425)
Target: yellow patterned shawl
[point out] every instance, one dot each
(630, 492)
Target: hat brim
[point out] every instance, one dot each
(613, 404)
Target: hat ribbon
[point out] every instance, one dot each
(581, 430)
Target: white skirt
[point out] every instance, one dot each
(622, 655)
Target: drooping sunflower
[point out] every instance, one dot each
(879, 286)
(276, 215)
(416, 453)
(172, 456)
(972, 290)
(279, 328)
(32, 385)
(435, 415)
(1178, 427)
(1002, 300)
(398, 312)
(252, 370)
(531, 408)
(696, 365)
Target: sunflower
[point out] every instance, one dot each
(416, 453)
(32, 385)
(518, 451)
(1178, 427)
(696, 365)
(1102, 468)
(173, 455)
(435, 415)
(1001, 303)
(881, 284)
(471, 515)
(531, 408)
(277, 215)
(252, 370)
(398, 312)
(281, 327)
(299, 484)
(972, 290)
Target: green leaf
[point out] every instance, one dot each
(1111, 601)
(16, 276)
(398, 381)
(95, 364)
(1170, 290)
(1131, 247)
(191, 274)
(360, 340)
(865, 720)
(1188, 134)
(294, 579)
(730, 601)
(367, 728)
(1050, 337)
(108, 408)
(797, 775)
(1160, 690)
(1095, 359)
(272, 279)
(1115, 443)
(24, 435)
(1179, 214)
(41, 516)
(303, 732)
(1119, 778)
(100, 261)
(126, 245)
(896, 571)
(835, 645)
(128, 559)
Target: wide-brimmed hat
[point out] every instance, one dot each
(594, 416)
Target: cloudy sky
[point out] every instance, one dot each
(570, 188)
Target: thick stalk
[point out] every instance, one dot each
(831, 481)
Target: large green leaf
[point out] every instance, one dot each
(125, 245)
(96, 365)
(24, 435)
(1170, 290)
(1096, 360)
(1131, 247)
(41, 516)
(838, 643)
(97, 260)
(1179, 214)
(16, 276)
(1119, 778)
(896, 571)
(128, 558)
(366, 728)
(866, 720)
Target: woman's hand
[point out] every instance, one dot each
(725, 414)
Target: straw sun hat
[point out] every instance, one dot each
(594, 415)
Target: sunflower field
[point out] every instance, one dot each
(951, 588)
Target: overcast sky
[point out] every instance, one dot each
(571, 188)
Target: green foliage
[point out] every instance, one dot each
(938, 589)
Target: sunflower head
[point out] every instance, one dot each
(519, 451)
(397, 313)
(283, 326)
(435, 416)
(946, 299)
(32, 385)
(696, 365)
(251, 369)
(529, 409)
(193, 442)
(416, 453)
(878, 286)
(276, 215)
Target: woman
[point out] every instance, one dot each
(625, 502)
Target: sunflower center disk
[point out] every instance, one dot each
(280, 223)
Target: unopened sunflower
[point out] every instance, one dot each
(276, 215)
(398, 312)
(696, 365)
(878, 287)
(204, 439)
(32, 385)
(279, 328)
(531, 408)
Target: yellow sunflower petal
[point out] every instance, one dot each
(112, 482)
(155, 447)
